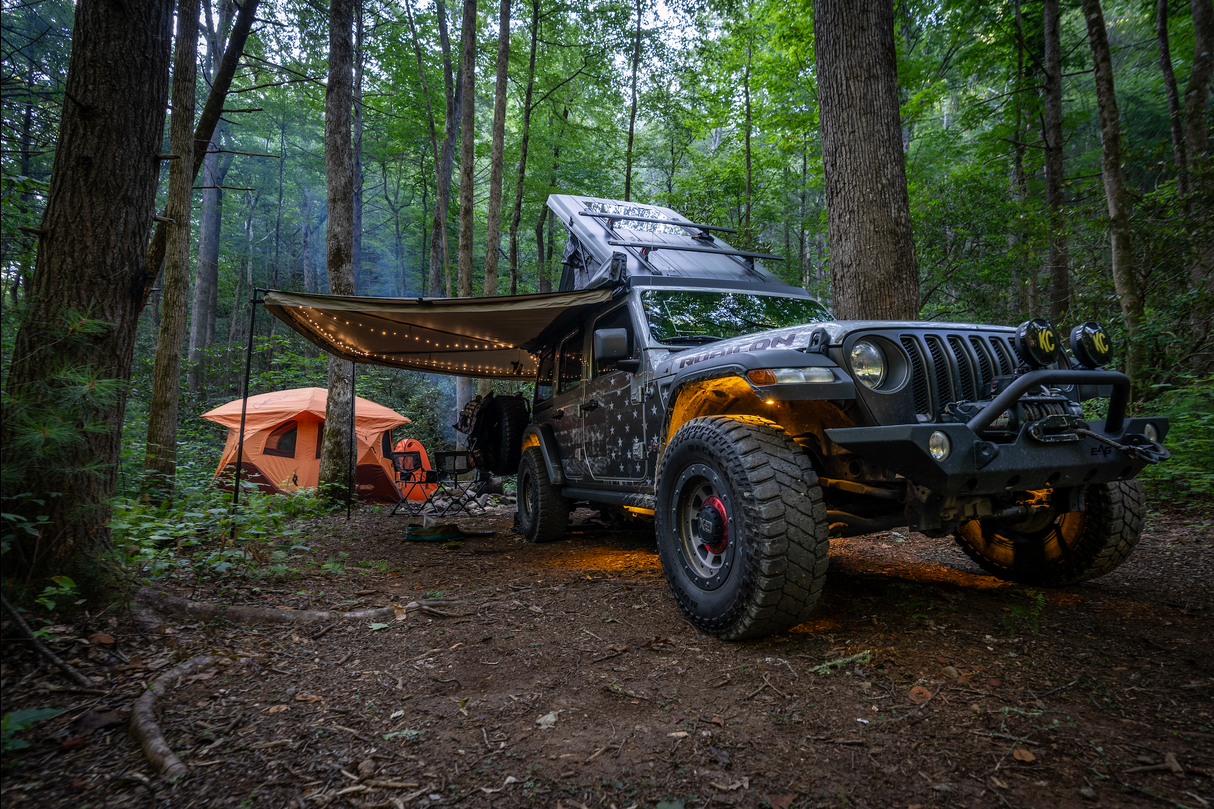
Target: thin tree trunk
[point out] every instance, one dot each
(1125, 278)
(517, 215)
(305, 250)
(160, 452)
(872, 250)
(444, 162)
(282, 159)
(206, 275)
(1197, 92)
(339, 238)
(356, 252)
(632, 115)
(1059, 262)
(747, 236)
(1029, 300)
(1175, 118)
(244, 275)
(541, 265)
(90, 263)
(1201, 203)
(493, 224)
(220, 81)
(467, 170)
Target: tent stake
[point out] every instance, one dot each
(353, 456)
(244, 405)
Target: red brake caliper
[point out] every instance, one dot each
(714, 525)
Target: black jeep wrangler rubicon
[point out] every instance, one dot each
(752, 426)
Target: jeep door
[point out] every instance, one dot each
(562, 409)
(613, 427)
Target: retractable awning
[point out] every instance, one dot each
(475, 337)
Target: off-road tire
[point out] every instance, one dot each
(773, 567)
(497, 438)
(1073, 547)
(543, 514)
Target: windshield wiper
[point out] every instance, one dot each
(691, 339)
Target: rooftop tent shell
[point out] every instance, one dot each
(611, 244)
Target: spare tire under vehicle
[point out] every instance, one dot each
(741, 527)
(496, 439)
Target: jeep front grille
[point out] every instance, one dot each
(955, 367)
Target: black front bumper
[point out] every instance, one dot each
(976, 466)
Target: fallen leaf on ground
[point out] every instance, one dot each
(679, 734)
(1173, 765)
(783, 801)
(273, 709)
(993, 682)
(308, 698)
(996, 782)
(919, 695)
(365, 592)
(716, 720)
(1020, 754)
(101, 638)
(950, 672)
(399, 611)
(367, 768)
(547, 721)
(742, 784)
(377, 627)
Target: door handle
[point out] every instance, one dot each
(560, 414)
(593, 404)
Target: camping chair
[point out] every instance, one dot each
(411, 477)
(460, 493)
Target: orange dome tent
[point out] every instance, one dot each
(282, 439)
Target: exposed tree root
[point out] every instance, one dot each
(143, 720)
(42, 649)
(262, 615)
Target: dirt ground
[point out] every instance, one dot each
(564, 676)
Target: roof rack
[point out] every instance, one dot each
(690, 249)
(623, 217)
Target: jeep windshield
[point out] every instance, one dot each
(689, 318)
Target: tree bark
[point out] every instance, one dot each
(160, 452)
(1197, 93)
(356, 229)
(1175, 118)
(206, 274)
(1059, 262)
(467, 158)
(89, 269)
(1125, 278)
(444, 163)
(747, 235)
(493, 224)
(632, 115)
(873, 266)
(208, 121)
(339, 239)
(517, 215)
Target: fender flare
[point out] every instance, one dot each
(542, 436)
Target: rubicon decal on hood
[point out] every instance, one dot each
(761, 344)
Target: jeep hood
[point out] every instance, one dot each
(486, 338)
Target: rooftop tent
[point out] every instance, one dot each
(610, 241)
(282, 439)
(475, 337)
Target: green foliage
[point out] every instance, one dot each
(16, 722)
(1190, 472)
(1029, 614)
(62, 588)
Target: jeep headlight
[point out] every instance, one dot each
(868, 363)
(790, 376)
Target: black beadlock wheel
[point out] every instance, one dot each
(543, 514)
(1054, 550)
(741, 527)
(497, 437)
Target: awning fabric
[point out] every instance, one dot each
(475, 337)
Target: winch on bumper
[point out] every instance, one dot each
(1058, 451)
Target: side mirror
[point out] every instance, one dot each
(610, 344)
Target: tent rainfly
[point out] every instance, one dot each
(487, 338)
(282, 439)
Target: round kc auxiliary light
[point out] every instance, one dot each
(1037, 342)
(1091, 344)
(939, 445)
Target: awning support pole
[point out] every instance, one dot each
(353, 443)
(244, 403)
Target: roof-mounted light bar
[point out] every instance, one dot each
(655, 220)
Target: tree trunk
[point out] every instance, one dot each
(1125, 278)
(356, 230)
(467, 171)
(517, 215)
(220, 80)
(1197, 93)
(467, 158)
(747, 235)
(873, 267)
(1201, 203)
(1175, 118)
(305, 249)
(160, 452)
(339, 239)
(493, 224)
(90, 265)
(543, 284)
(1029, 300)
(444, 162)
(206, 275)
(1059, 262)
(632, 115)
